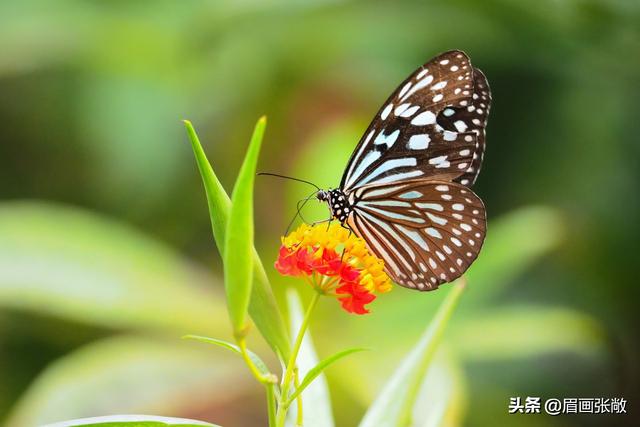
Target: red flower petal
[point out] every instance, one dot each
(286, 264)
(357, 296)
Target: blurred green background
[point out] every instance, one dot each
(106, 256)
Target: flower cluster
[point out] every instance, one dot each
(335, 262)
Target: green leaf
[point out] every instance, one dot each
(514, 242)
(131, 421)
(68, 262)
(523, 331)
(262, 306)
(262, 367)
(442, 400)
(316, 400)
(238, 264)
(128, 375)
(394, 405)
(319, 369)
(442, 396)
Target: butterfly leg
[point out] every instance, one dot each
(320, 222)
(346, 227)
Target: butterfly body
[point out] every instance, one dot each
(338, 204)
(406, 188)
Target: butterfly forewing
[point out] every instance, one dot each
(427, 232)
(424, 129)
(472, 114)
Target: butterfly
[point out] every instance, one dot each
(406, 188)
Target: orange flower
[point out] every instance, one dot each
(335, 262)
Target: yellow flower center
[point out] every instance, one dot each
(352, 249)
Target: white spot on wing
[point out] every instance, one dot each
(386, 111)
(369, 158)
(424, 118)
(389, 140)
(449, 136)
(432, 206)
(436, 219)
(440, 162)
(404, 89)
(399, 176)
(419, 142)
(421, 84)
(387, 166)
(400, 108)
(421, 74)
(382, 191)
(411, 195)
(433, 232)
(410, 111)
(415, 236)
(460, 125)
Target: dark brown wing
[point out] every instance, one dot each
(474, 114)
(427, 232)
(424, 129)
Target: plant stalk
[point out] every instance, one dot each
(289, 372)
(271, 403)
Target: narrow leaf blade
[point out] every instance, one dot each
(262, 367)
(262, 307)
(131, 421)
(238, 266)
(394, 405)
(320, 367)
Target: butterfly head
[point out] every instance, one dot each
(338, 204)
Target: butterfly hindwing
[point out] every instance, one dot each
(424, 128)
(427, 232)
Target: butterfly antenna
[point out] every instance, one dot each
(299, 210)
(288, 177)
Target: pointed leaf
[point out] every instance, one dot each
(262, 367)
(131, 421)
(498, 334)
(394, 405)
(316, 400)
(442, 395)
(238, 263)
(129, 375)
(68, 262)
(262, 307)
(320, 367)
(533, 231)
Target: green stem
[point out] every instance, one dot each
(268, 380)
(296, 383)
(264, 379)
(288, 375)
(271, 403)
